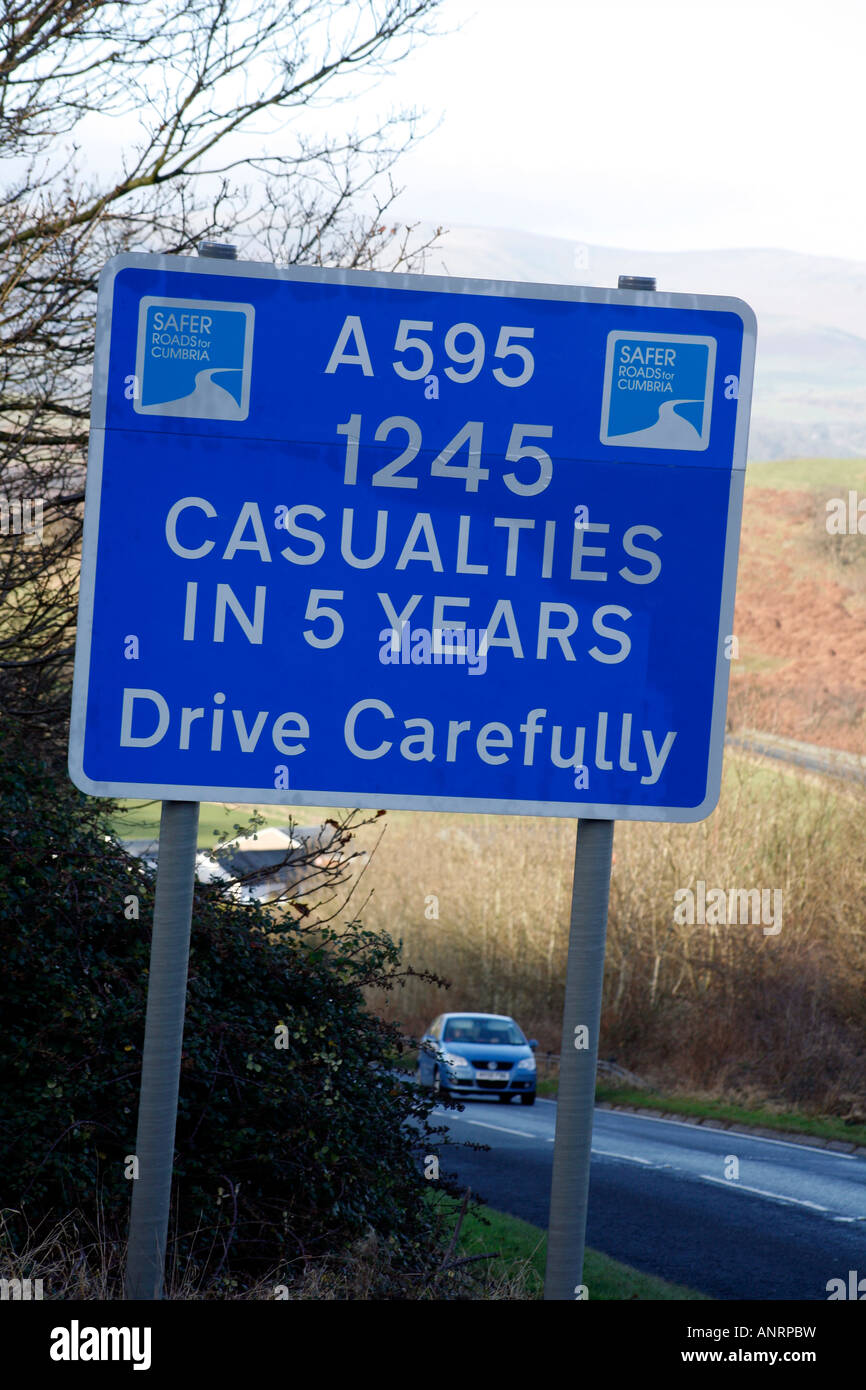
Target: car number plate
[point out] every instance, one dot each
(491, 1076)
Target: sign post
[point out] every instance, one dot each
(163, 1042)
(581, 1024)
(163, 1029)
(575, 1099)
(377, 540)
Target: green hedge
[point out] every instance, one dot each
(282, 1156)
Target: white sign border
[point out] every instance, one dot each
(436, 284)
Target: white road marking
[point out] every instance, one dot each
(524, 1133)
(762, 1192)
(739, 1133)
(629, 1158)
(632, 1158)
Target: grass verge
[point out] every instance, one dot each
(522, 1249)
(792, 1121)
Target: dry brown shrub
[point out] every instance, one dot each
(722, 1010)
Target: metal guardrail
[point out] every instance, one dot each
(548, 1065)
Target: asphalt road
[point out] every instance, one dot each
(832, 762)
(659, 1198)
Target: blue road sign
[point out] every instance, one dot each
(392, 540)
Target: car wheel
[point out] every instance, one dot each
(528, 1099)
(440, 1092)
(504, 1099)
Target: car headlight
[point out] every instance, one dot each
(452, 1060)
(526, 1064)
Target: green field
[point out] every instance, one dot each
(819, 474)
(139, 820)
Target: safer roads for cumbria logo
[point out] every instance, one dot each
(194, 358)
(658, 390)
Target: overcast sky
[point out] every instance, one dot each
(680, 124)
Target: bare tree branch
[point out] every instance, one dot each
(220, 103)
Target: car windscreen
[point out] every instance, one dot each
(495, 1032)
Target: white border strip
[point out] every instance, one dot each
(432, 284)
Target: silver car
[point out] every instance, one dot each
(474, 1055)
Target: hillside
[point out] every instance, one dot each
(810, 387)
(801, 608)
